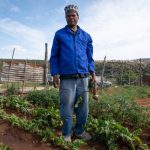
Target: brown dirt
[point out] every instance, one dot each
(19, 139)
(144, 102)
(29, 141)
(145, 136)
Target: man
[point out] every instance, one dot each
(72, 60)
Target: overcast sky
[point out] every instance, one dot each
(120, 28)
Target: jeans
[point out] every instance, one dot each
(72, 92)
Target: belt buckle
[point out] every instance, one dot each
(82, 75)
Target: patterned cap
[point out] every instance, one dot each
(71, 7)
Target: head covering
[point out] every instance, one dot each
(71, 7)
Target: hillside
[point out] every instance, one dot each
(146, 60)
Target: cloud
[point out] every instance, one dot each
(8, 50)
(14, 8)
(27, 36)
(120, 29)
(11, 47)
(9, 6)
(30, 41)
(21, 52)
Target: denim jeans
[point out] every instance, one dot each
(73, 92)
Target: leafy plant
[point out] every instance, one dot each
(4, 147)
(46, 134)
(143, 92)
(16, 102)
(121, 107)
(12, 88)
(45, 98)
(111, 131)
(2, 100)
(49, 116)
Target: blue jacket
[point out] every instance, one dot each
(71, 53)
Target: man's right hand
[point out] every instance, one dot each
(56, 81)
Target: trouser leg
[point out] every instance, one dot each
(67, 100)
(82, 109)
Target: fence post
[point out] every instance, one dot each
(121, 75)
(23, 82)
(46, 65)
(140, 73)
(129, 78)
(102, 75)
(11, 64)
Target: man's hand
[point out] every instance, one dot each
(93, 77)
(95, 96)
(56, 81)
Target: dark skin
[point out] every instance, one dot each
(72, 20)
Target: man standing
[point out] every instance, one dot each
(72, 61)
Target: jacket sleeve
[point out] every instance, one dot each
(89, 52)
(54, 58)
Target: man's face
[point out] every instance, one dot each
(72, 18)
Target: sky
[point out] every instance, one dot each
(120, 29)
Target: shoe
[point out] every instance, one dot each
(85, 136)
(67, 138)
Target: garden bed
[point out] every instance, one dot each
(18, 139)
(33, 121)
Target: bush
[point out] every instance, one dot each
(12, 89)
(143, 92)
(45, 98)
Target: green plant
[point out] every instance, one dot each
(45, 98)
(111, 131)
(18, 103)
(4, 147)
(121, 107)
(49, 116)
(46, 134)
(12, 88)
(143, 92)
(2, 100)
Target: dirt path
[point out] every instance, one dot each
(144, 102)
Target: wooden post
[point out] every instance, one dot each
(23, 82)
(129, 79)
(103, 72)
(140, 73)
(11, 63)
(46, 65)
(122, 68)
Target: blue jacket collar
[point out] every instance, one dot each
(70, 31)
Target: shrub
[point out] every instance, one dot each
(12, 89)
(45, 98)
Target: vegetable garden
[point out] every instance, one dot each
(116, 121)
